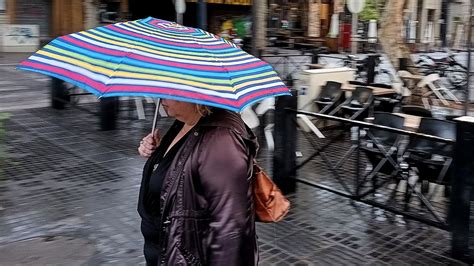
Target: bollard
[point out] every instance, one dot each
(462, 196)
(108, 112)
(59, 95)
(315, 56)
(371, 68)
(284, 157)
(402, 64)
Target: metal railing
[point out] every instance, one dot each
(357, 191)
(458, 218)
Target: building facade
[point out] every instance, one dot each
(27, 24)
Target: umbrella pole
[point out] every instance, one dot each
(156, 115)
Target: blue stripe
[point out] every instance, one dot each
(140, 79)
(172, 75)
(166, 96)
(82, 51)
(196, 33)
(264, 89)
(138, 63)
(270, 75)
(157, 44)
(65, 78)
(169, 54)
(254, 100)
(172, 97)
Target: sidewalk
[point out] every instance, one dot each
(66, 180)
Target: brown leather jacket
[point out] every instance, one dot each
(206, 200)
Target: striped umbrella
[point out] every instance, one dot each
(153, 57)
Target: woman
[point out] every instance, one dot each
(196, 199)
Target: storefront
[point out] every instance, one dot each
(302, 18)
(227, 18)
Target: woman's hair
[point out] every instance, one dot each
(203, 110)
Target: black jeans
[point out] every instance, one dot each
(151, 249)
(152, 253)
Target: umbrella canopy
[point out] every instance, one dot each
(153, 57)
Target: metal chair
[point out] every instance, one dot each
(381, 146)
(431, 159)
(330, 97)
(357, 106)
(416, 110)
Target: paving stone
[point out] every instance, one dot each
(65, 177)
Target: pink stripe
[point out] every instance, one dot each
(195, 95)
(196, 67)
(157, 23)
(112, 52)
(63, 72)
(144, 89)
(83, 44)
(174, 92)
(187, 45)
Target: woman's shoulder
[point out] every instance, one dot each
(220, 118)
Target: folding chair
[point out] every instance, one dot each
(431, 159)
(357, 106)
(330, 97)
(436, 87)
(382, 147)
(416, 110)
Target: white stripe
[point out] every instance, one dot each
(237, 51)
(161, 37)
(259, 87)
(159, 32)
(97, 77)
(123, 81)
(153, 83)
(216, 62)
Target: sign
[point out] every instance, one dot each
(226, 2)
(20, 35)
(355, 6)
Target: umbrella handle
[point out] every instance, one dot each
(155, 117)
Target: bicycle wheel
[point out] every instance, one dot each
(457, 76)
(384, 76)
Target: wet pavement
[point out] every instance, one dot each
(68, 195)
(65, 180)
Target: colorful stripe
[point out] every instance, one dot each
(152, 57)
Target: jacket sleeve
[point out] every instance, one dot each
(224, 175)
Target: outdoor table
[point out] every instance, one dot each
(414, 77)
(315, 66)
(376, 91)
(411, 123)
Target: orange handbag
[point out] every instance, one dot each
(270, 203)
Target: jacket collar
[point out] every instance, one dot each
(232, 120)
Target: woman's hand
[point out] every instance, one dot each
(148, 144)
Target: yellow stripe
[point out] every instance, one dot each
(159, 32)
(172, 54)
(80, 63)
(120, 73)
(255, 82)
(174, 80)
(134, 68)
(252, 77)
